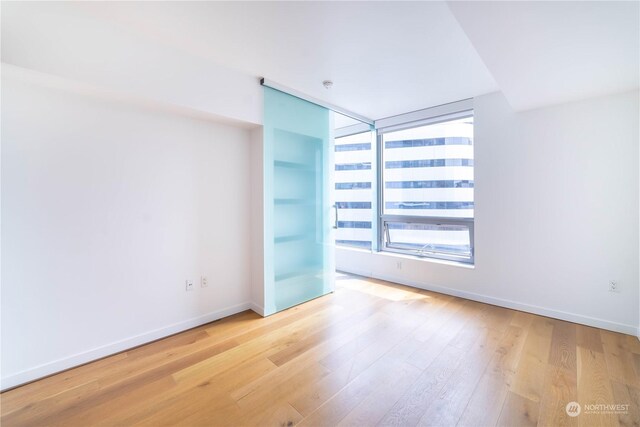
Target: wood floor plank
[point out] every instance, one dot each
(447, 408)
(110, 366)
(373, 408)
(335, 409)
(487, 399)
(634, 407)
(494, 317)
(561, 387)
(104, 413)
(260, 400)
(388, 335)
(40, 410)
(442, 331)
(325, 333)
(518, 411)
(528, 380)
(594, 387)
(312, 359)
(112, 390)
(267, 343)
(382, 340)
(522, 319)
(636, 363)
(282, 415)
(389, 330)
(140, 370)
(169, 344)
(563, 345)
(56, 384)
(619, 358)
(626, 395)
(193, 402)
(589, 338)
(632, 344)
(485, 404)
(223, 382)
(371, 353)
(439, 316)
(413, 403)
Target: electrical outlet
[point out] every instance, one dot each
(188, 285)
(399, 265)
(613, 286)
(204, 282)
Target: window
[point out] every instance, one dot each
(353, 190)
(427, 188)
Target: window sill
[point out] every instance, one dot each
(353, 248)
(426, 259)
(410, 257)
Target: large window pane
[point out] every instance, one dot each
(353, 193)
(427, 190)
(428, 170)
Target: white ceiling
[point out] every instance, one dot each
(543, 53)
(385, 58)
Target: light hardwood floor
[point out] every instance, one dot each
(372, 353)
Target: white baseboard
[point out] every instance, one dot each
(543, 311)
(59, 365)
(258, 309)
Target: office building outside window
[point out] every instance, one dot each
(427, 190)
(425, 187)
(354, 186)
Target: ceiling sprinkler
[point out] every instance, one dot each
(327, 84)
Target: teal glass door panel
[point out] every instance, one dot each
(298, 224)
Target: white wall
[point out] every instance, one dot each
(556, 197)
(106, 209)
(74, 41)
(257, 221)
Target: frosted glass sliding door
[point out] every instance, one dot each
(298, 217)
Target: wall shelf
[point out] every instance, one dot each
(300, 202)
(310, 272)
(293, 238)
(294, 166)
